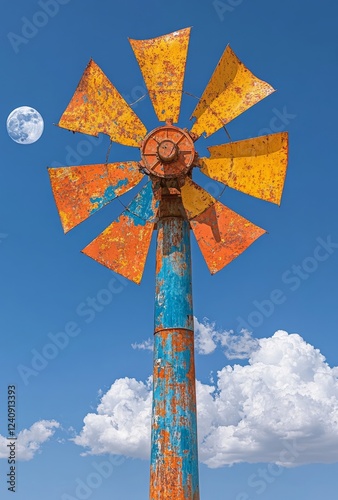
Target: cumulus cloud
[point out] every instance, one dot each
(121, 425)
(29, 441)
(205, 336)
(281, 407)
(234, 346)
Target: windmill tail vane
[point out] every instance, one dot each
(173, 204)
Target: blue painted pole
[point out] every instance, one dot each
(174, 460)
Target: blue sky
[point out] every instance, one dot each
(281, 384)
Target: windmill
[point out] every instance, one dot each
(173, 204)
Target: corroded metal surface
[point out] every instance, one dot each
(168, 152)
(173, 302)
(81, 191)
(195, 199)
(174, 472)
(97, 106)
(162, 62)
(222, 235)
(255, 166)
(124, 245)
(174, 460)
(232, 89)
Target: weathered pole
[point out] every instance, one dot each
(174, 461)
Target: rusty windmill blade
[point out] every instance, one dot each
(81, 191)
(221, 234)
(97, 106)
(162, 61)
(254, 166)
(232, 89)
(123, 246)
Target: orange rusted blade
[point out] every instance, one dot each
(255, 166)
(222, 235)
(124, 245)
(81, 191)
(232, 89)
(162, 62)
(97, 107)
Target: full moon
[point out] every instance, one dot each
(24, 125)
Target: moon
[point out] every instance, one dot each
(25, 125)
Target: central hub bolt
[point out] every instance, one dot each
(167, 151)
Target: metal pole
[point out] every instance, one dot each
(174, 461)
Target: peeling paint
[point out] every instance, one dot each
(222, 235)
(123, 246)
(173, 303)
(231, 90)
(81, 191)
(97, 106)
(254, 166)
(162, 61)
(108, 195)
(174, 460)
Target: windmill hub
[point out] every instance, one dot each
(168, 152)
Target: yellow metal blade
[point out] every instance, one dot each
(195, 199)
(232, 89)
(162, 62)
(123, 246)
(81, 191)
(223, 235)
(255, 166)
(98, 107)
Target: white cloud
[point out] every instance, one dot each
(146, 345)
(29, 441)
(205, 336)
(235, 346)
(281, 407)
(122, 423)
